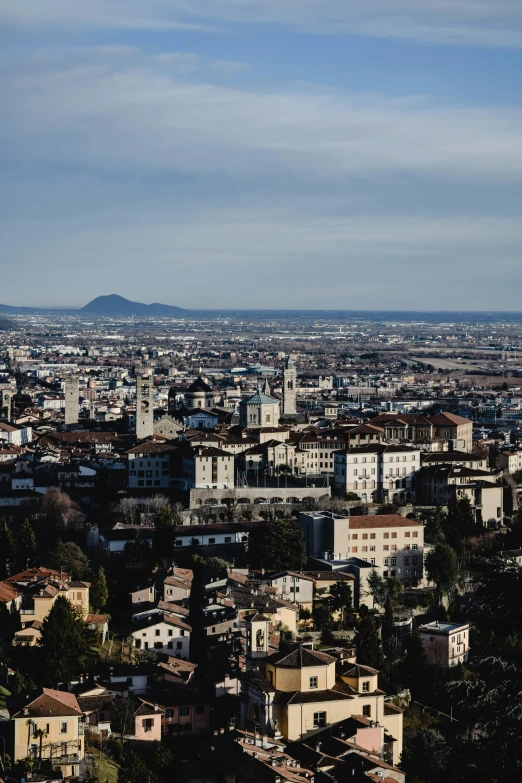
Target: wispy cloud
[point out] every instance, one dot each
(459, 22)
(134, 113)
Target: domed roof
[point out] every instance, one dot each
(260, 399)
(199, 385)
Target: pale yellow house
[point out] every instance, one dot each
(300, 694)
(42, 601)
(52, 725)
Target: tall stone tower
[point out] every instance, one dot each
(72, 394)
(144, 407)
(289, 389)
(6, 396)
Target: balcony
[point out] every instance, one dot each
(61, 761)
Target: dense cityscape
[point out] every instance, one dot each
(242, 546)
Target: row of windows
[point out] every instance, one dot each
(364, 536)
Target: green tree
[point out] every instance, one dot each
(67, 642)
(135, 770)
(459, 524)
(69, 556)
(322, 617)
(368, 642)
(393, 588)
(7, 558)
(441, 566)
(377, 587)
(99, 592)
(433, 520)
(426, 755)
(277, 545)
(341, 597)
(25, 546)
(165, 535)
(137, 553)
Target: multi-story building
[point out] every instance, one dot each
(163, 632)
(445, 428)
(444, 484)
(208, 468)
(149, 465)
(391, 543)
(508, 460)
(377, 473)
(295, 587)
(51, 727)
(446, 644)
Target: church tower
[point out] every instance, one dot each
(144, 407)
(6, 396)
(289, 388)
(71, 392)
(257, 637)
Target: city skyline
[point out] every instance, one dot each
(302, 155)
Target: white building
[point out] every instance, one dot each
(446, 644)
(163, 632)
(377, 473)
(15, 435)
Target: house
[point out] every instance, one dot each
(377, 473)
(58, 715)
(38, 605)
(295, 587)
(164, 632)
(446, 428)
(509, 460)
(178, 584)
(446, 644)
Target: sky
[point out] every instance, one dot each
(315, 154)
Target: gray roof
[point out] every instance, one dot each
(260, 399)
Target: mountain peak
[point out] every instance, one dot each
(114, 304)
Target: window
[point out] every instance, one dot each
(372, 535)
(367, 711)
(393, 561)
(184, 711)
(365, 549)
(313, 682)
(63, 727)
(414, 561)
(415, 535)
(372, 549)
(385, 561)
(365, 536)
(169, 712)
(386, 535)
(406, 535)
(157, 632)
(354, 549)
(366, 686)
(148, 723)
(394, 535)
(170, 632)
(415, 546)
(386, 547)
(406, 561)
(319, 720)
(406, 572)
(228, 540)
(355, 536)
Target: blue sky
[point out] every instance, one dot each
(340, 154)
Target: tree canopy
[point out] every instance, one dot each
(277, 545)
(441, 566)
(67, 642)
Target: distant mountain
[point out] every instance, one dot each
(118, 305)
(18, 310)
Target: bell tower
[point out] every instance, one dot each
(289, 389)
(257, 637)
(144, 407)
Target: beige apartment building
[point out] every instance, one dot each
(208, 468)
(509, 460)
(446, 644)
(390, 542)
(52, 724)
(42, 601)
